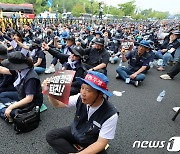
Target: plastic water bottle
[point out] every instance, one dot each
(60, 66)
(120, 60)
(161, 95)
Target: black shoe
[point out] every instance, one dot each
(117, 76)
(135, 83)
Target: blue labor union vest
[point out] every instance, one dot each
(136, 62)
(87, 131)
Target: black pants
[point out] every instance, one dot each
(100, 15)
(5, 89)
(61, 140)
(175, 70)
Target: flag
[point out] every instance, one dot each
(49, 3)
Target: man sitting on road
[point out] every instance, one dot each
(138, 64)
(97, 57)
(95, 119)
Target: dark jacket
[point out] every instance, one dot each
(95, 57)
(136, 62)
(6, 82)
(40, 54)
(80, 72)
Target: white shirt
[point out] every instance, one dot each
(24, 51)
(14, 45)
(108, 128)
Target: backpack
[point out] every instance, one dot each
(26, 120)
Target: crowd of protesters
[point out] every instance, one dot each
(87, 48)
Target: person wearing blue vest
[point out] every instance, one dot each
(27, 83)
(138, 63)
(94, 122)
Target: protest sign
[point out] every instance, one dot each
(60, 85)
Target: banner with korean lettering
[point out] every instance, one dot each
(60, 85)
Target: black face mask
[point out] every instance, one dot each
(99, 49)
(48, 33)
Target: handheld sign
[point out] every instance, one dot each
(60, 85)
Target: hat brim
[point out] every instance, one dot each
(75, 52)
(81, 81)
(36, 44)
(145, 46)
(70, 39)
(6, 63)
(98, 33)
(98, 43)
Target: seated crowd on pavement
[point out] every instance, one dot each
(86, 48)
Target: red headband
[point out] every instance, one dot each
(96, 81)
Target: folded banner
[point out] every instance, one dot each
(60, 85)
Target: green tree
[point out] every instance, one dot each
(161, 15)
(146, 12)
(138, 16)
(116, 12)
(77, 9)
(128, 8)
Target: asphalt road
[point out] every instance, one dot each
(141, 118)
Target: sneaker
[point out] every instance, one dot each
(117, 76)
(112, 62)
(170, 63)
(160, 69)
(50, 70)
(165, 77)
(176, 109)
(136, 83)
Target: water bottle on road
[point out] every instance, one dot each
(161, 96)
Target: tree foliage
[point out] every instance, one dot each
(77, 9)
(149, 13)
(128, 8)
(92, 6)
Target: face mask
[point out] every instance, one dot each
(48, 33)
(98, 49)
